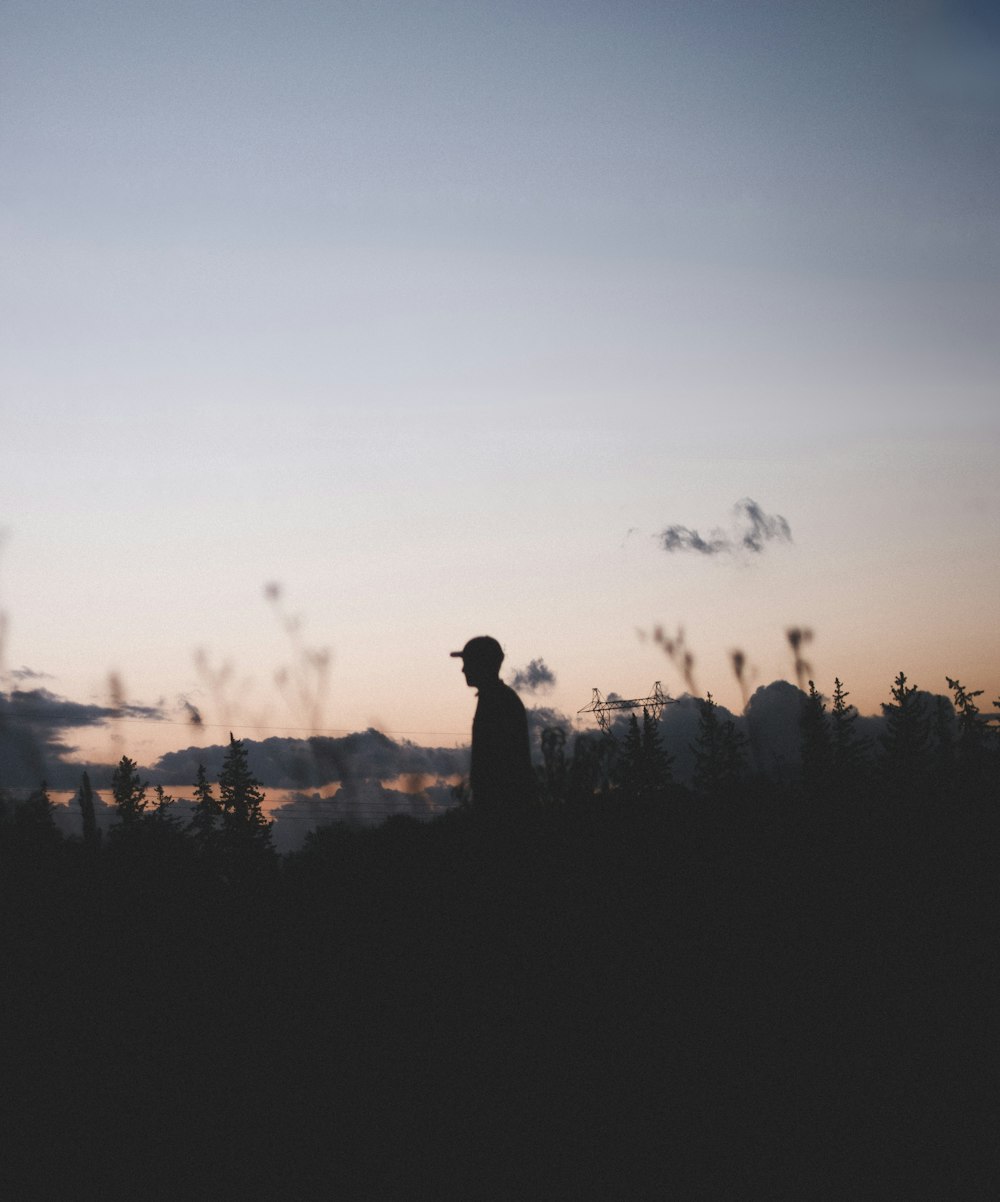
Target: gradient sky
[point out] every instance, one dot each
(437, 314)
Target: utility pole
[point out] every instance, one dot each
(603, 707)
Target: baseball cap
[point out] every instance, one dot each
(481, 647)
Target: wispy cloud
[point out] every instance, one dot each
(751, 530)
(537, 675)
(23, 674)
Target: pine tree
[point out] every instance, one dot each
(206, 813)
(719, 751)
(734, 754)
(85, 799)
(657, 764)
(973, 734)
(162, 806)
(35, 821)
(241, 800)
(943, 728)
(847, 750)
(905, 740)
(815, 744)
(36, 810)
(129, 793)
(554, 770)
(592, 769)
(630, 765)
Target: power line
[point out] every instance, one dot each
(312, 730)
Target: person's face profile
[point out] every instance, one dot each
(474, 672)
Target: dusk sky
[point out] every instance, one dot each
(453, 318)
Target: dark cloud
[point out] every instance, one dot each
(22, 674)
(759, 527)
(772, 724)
(41, 709)
(537, 675)
(32, 748)
(752, 529)
(285, 763)
(362, 803)
(680, 538)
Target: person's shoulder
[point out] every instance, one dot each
(510, 697)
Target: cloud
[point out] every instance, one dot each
(537, 675)
(680, 538)
(302, 764)
(759, 527)
(22, 674)
(751, 530)
(364, 803)
(31, 725)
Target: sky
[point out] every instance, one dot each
(334, 334)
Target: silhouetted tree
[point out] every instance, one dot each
(161, 818)
(630, 767)
(719, 751)
(241, 799)
(847, 751)
(590, 769)
(942, 728)
(206, 813)
(815, 742)
(657, 764)
(85, 800)
(644, 765)
(36, 809)
(34, 820)
(972, 743)
(553, 775)
(905, 739)
(28, 828)
(129, 793)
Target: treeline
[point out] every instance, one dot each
(928, 745)
(732, 988)
(225, 828)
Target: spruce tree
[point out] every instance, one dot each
(630, 764)
(554, 771)
(129, 793)
(815, 742)
(719, 751)
(973, 735)
(35, 821)
(206, 813)
(847, 750)
(905, 740)
(241, 800)
(85, 799)
(942, 726)
(656, 762)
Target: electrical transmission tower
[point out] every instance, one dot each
(602, 707)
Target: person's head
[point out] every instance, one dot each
(481, 659)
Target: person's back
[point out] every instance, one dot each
(501, 775)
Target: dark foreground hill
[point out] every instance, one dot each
(753, 997)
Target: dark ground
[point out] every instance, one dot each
(753, 999)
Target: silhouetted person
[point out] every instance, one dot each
(501, 776)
